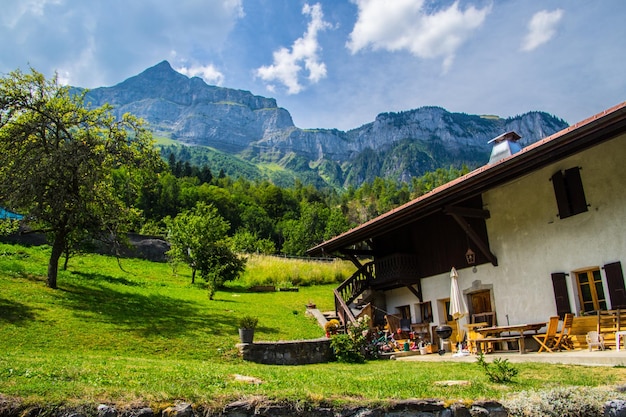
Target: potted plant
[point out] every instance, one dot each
(247, 324)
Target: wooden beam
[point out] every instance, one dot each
(355, 261)
(482, 246)
(416, 292)
(467, 212)
(363, 252)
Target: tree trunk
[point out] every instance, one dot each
(53, 265)
(67, 259)
(193, 275)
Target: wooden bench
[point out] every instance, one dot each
(518, 339)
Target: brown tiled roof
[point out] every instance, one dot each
(569, 141)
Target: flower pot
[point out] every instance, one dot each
(246, 335)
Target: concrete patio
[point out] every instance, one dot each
(576, 357)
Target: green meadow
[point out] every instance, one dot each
(133, 332)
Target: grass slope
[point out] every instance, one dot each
(146, 336)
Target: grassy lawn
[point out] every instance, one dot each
(144, 335)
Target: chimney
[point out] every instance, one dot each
(503, 146)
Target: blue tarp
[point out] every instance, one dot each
(6, 214)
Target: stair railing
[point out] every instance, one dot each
(350, 289)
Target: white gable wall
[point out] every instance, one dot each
(531, 241)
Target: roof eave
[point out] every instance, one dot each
(569, 141)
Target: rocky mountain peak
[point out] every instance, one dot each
(395, 145)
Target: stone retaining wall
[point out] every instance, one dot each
(292, 352)
(260, 407)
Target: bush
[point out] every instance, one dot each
(350, 347)
(561, 402)
(345, 349)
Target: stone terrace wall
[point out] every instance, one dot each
(293, 352)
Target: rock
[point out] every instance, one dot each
(615, 408)
(141, 412)
(178, 410)
(106, 411)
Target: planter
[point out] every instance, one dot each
(246, 335)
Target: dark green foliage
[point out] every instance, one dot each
(345, 350)
(198, 238)
(351, 346)
(59, 161)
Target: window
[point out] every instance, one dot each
(425, 312)
(590, 290)
(569, 192)
(405, 312)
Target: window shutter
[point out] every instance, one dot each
(615, 282)
(560, 192)
(575, 191)
(561, 295)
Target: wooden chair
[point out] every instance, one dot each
(563, 340)
(488, 317)
(473, 335)
(548, 339)
(395, 328)
(595, 339)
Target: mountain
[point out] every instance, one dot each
(248, 133)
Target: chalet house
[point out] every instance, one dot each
(536, 232)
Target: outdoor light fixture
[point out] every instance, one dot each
(470, 256)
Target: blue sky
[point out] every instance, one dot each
(338, 63)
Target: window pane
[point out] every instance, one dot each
(585, 290)
(600, 291)
(588, 306)
(596, 275)
(582, 277)
(603, 305)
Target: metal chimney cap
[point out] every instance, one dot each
(504, 146)
(512, 136)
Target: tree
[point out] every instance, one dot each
(57, 157)
(198, 238)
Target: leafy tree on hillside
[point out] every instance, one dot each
(57, 158)
(198, 238)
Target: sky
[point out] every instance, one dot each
(339, 63)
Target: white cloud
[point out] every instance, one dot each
(541, 28)
(98, 43)
(208, 73)
(287, 64)
(408, 26)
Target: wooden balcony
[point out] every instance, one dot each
(396, 270)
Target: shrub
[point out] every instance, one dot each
(501, 371)
(350, 347)
(561, 402)
(345, 349)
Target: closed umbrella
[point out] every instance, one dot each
(458, 307)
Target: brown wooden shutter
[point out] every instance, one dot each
(560, 192)
(615, 282)
(575, 191)
(561, 296)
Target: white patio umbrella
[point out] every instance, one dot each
(458, 307)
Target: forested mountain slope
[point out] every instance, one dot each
(244, 134)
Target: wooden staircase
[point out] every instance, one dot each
(351, 293)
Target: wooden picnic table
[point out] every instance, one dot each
(520, 329)
(515, 332)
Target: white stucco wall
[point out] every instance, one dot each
(531, 241)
